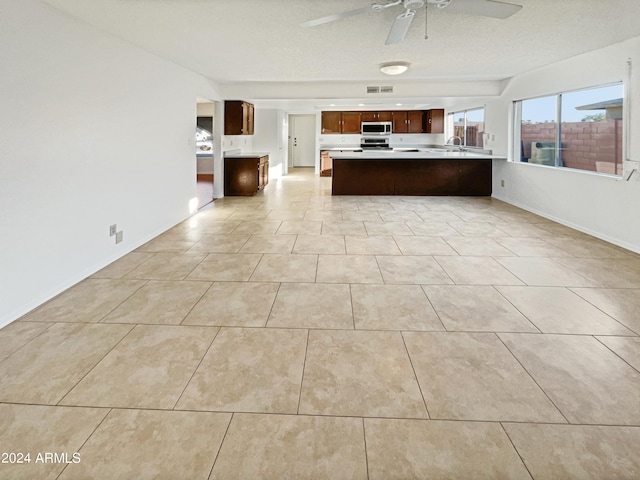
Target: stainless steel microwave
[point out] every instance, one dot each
(376, 128)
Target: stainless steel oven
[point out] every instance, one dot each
(376, 128)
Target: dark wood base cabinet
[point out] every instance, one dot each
(245, 176)
(412, 177)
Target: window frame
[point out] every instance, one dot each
(516, 111)
(451, 123)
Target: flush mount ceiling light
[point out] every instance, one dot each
(394, 68)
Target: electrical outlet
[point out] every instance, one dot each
(502, 183)
(119, 236)
(112, 230)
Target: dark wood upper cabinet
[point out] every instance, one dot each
(370, 116)
(373, 116)
(351, 122)
(434, 121)
(331, 122)
(341, 122)
(404, 121)
(399, 119)
(238, 117)
(415, 121)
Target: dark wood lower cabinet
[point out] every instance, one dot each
(245, 176)
(412, 177)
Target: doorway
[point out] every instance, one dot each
(204, 152)
(302, 134)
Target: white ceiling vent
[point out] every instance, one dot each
(383, 89)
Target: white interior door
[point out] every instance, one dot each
(303, 140)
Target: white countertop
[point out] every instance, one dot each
(245, 154)
(423, 154)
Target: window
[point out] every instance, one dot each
(469, 126)
(581, 130)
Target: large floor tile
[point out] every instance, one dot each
(601, 274)
(357, 373)
(145, 444)
(249, 370)
(588, 247)
(372, 245)
(476, 308)
(621, 303)
(476, 271)
(627, 348)
(159, 302)
(532, 247)
(300, 227)
(253, 227)
(478, 229)
(167, 266)
(149, 369)
(423, 245)
(286, 268)
(123, 265)
(269, 244)
(582, 377)
(235, 304)
(226, 267)
(432, 229)
(168, 243)
(224, 243)
(320, 244)
(285, 446)
(343, 228)
(472, 376)
(577, 452)
(393, 307)
(403, 449)
(559, 310)
(88, 301)
(387, 228)
(16, 334)
(412, 269)
(36, 430)
(312, 305)
(361, 215)
(47, 367)
(478, 246)
(543, 272)
(348, 269)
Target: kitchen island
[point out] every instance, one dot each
(422, 172)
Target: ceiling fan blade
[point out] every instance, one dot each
(337, 16)
(484, 8)
(400, 27)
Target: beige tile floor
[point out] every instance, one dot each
(298, 335)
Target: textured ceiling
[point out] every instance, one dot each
(261, 40)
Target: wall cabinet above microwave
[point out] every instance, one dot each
(404, 121)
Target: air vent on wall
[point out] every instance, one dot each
(383, 89)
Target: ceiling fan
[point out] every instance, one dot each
(485, 8)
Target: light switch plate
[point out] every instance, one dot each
(119, 236)
(112, 230)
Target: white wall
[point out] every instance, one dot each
(602, 206)
(93, 131)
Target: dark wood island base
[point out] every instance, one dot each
(428, 176)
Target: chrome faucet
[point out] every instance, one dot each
(453, 139)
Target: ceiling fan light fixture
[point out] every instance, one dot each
(394, 68)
